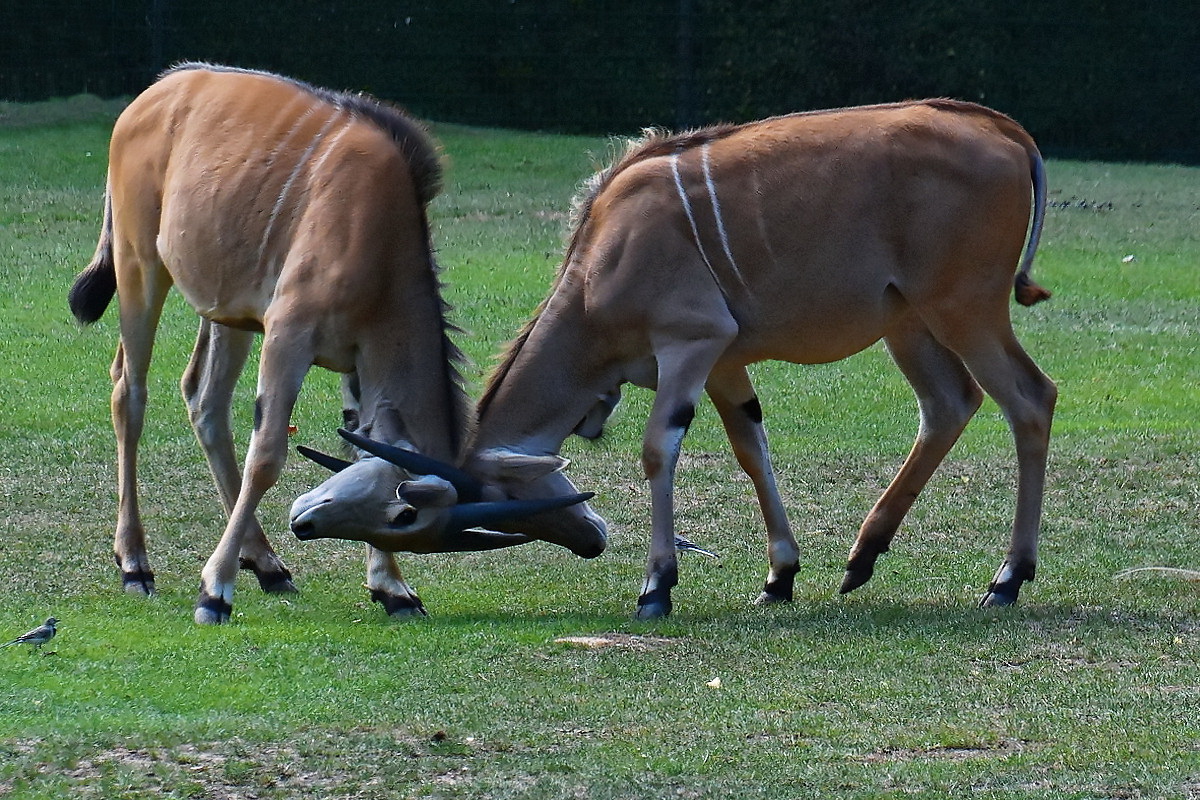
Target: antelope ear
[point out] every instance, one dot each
(428, 491)
(520, 466)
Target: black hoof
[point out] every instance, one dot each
(859, 569)
(655, 604)
(211, 610)
(779, 590)
(399, 605)
(1000, 595)
(138, 582)
(135, 581)
(653, 610)
(273, 581)
(1006, 586)
(855, 578)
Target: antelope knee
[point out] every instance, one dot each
(658, 452)
(681, 418)
(753, 409)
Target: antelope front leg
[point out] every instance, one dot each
(682, 370)
(281, 372)
(207, 385)
(388, 587)
(660, 455)
(733, 396)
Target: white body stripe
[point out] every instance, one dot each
(291, 179)
(687, 208)
(333, 141)
(716, 207)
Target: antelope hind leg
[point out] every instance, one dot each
(1027, 398)
(948, 397)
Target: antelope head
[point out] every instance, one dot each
(401, 501)
(530, 478)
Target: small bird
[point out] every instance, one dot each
(38, 636)
(685, 546)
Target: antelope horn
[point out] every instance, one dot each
(476, 515)
(475, 541)
(328, 462)
(468, 488)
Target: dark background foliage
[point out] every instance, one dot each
(1088, 78)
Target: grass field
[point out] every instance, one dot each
(904, 688)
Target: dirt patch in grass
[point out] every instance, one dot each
(620, 641)
(889, 755)
(218, 770)
(328, 764)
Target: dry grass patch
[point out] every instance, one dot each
(954, 753)
(620, 641)
(327, 764)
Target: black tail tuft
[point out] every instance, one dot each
(93, 291)
(1027, 292)
(94, 288)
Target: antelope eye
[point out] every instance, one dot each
(405, 517)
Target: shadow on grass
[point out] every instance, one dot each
(867, 619)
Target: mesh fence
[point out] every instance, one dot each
(1088, 78)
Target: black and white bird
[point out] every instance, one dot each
(686, 546)
(38, 636)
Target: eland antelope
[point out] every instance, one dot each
(803, 238)
(299, 213)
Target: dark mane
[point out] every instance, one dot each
(409, 134)
(453, 384)
(652, 144)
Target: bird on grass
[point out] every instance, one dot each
(38, 636)
(685, 546)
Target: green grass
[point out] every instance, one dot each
(904, 688)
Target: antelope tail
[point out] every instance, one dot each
(1024, 289)
(94, 288)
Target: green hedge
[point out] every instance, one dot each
(1088, 78)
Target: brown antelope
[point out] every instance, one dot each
(280, 208)
(803, 238)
